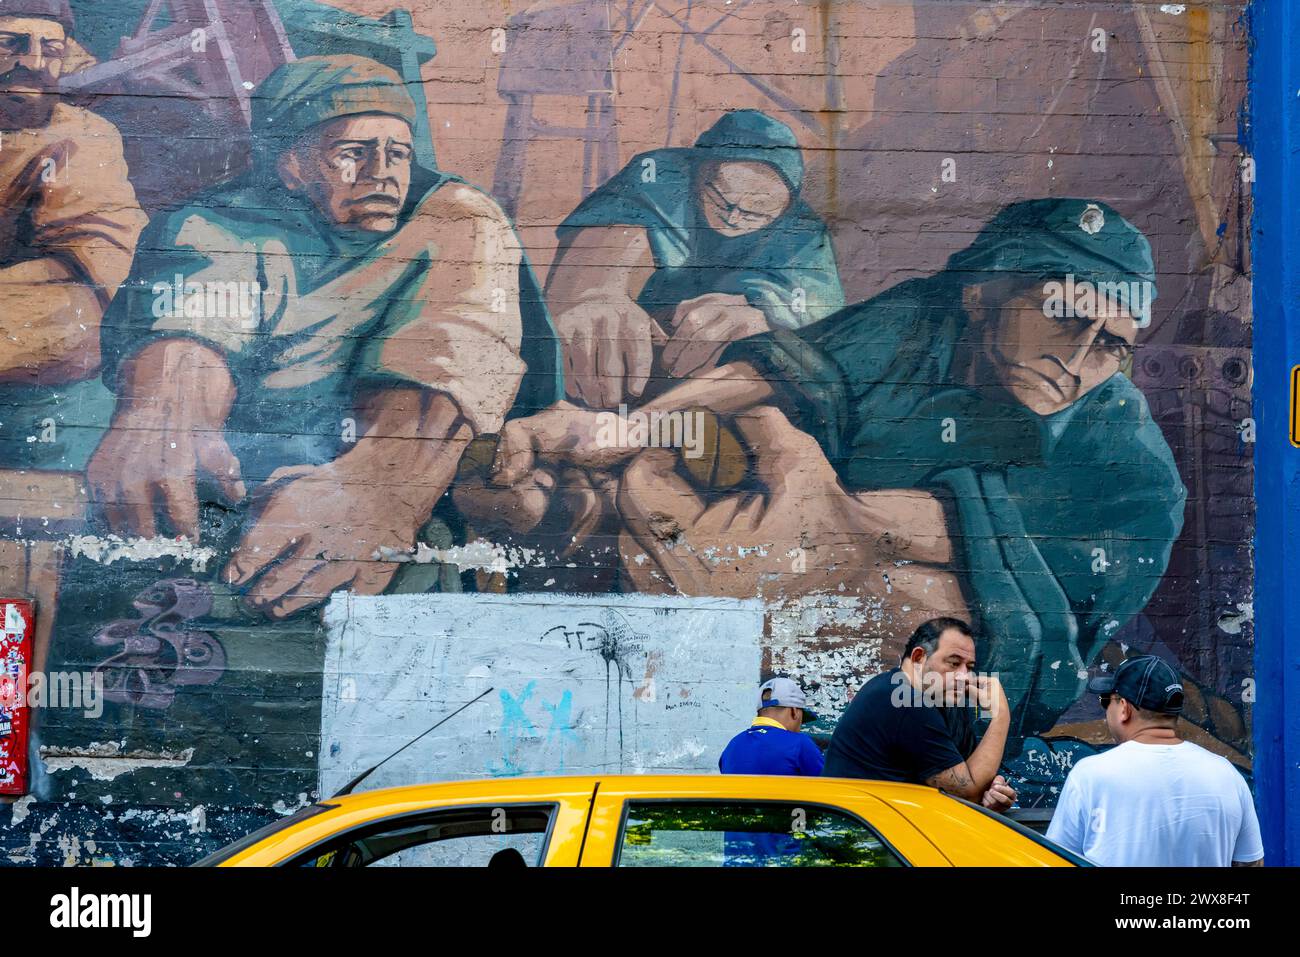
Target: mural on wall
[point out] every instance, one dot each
(787, 316)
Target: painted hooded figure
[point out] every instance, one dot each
(786, 269)
(1061, 524)
(306, 311)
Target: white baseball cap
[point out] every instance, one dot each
(786, 693)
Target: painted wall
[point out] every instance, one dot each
(304, 443)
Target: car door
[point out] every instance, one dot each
(630, 829)
(508, 836)
(523, 831)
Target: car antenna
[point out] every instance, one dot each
(348, 788)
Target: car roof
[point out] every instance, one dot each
(701, 786)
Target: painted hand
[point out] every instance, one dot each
(703, 327)
(149, 461)
(608, 350)
(319, 530)
(790, 528)
(563, 434)
(564, 505)
(517, 508)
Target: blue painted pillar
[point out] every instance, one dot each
(1273, 140)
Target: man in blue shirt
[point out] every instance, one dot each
(773, 744)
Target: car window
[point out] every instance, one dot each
(505, 837)
(748, 834)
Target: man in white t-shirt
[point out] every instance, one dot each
(1155, 800)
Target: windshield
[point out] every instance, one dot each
(230, 850)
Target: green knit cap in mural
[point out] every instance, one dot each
(317, 89)
(1055, 238)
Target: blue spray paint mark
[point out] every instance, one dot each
(561, 723)
(514, 727)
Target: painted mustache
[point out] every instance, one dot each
(22, 76)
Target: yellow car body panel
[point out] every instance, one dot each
(924, 826)
(571, 795)
(853, 796)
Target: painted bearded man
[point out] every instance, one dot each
(329, 332)
(957, 445)
(69, 222)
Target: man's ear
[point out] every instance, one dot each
(290, 169)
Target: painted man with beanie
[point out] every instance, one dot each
(1154, 800)
(326, 333)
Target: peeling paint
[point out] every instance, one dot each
(481, 555)
(104, 762)
(1231, 624)
(21, 809)
(106, 549)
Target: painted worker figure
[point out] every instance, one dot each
(683, 252)
(963, 444)
(69, 223)
(328, 332)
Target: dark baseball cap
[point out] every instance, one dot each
(1145, 681)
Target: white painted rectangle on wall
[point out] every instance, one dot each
(581, 685)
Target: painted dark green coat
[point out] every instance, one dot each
(1062, 525)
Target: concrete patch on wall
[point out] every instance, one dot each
(614, 684)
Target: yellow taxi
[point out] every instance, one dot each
(646, 820)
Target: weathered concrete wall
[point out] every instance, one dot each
(235, 384)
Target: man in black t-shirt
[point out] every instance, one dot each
(896, 728)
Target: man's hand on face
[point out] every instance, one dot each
(608, 345)
(704, 326)
(990, 695)
(1000, 796)
(319, 530)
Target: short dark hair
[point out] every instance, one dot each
(1158, 718)
(767, 696)
(927, 636)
